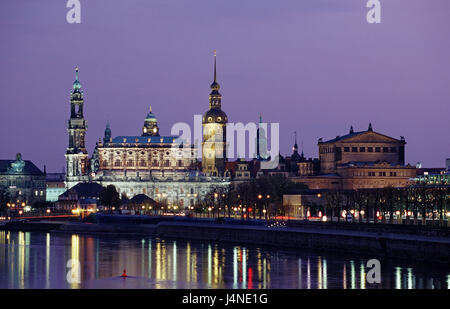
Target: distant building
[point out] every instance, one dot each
(24, 181)
(433, 176)
(298, 204)
(83, 196)
(55, 186)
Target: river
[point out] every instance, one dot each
(58, 260)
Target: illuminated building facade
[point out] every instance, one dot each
(164, 168)
(365, 159)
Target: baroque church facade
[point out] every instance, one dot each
(164, 168)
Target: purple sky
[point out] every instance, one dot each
(315, 66)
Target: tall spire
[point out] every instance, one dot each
(215, 97)
(302, 155)
(295, 148)
(215, 72)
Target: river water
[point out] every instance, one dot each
(55, 260)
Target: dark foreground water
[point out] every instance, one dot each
(44, 260)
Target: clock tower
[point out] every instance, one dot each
(214, 132)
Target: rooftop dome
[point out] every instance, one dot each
(150, 116)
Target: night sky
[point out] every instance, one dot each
(314, 66)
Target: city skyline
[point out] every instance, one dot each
(318, 91)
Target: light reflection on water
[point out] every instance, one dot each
(39, 260)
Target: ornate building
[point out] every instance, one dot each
(364, 159)
(164, 168)
(23, 182)
(214, 123)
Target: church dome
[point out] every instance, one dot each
(150, 117)
(215, 115)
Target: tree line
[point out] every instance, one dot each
(380, 205)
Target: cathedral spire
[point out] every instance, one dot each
(215, 97)
(295, 142)
(215, 71)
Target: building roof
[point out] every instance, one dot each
(352, 134)
(55, 177)
(371, 164)
(339, 138)
(85, 189)
(28, 169)
(145, 139)
(142, 199)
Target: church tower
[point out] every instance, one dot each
(261, 142)
(214, 132)
(76, 154)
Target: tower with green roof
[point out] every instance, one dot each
(76, 154)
